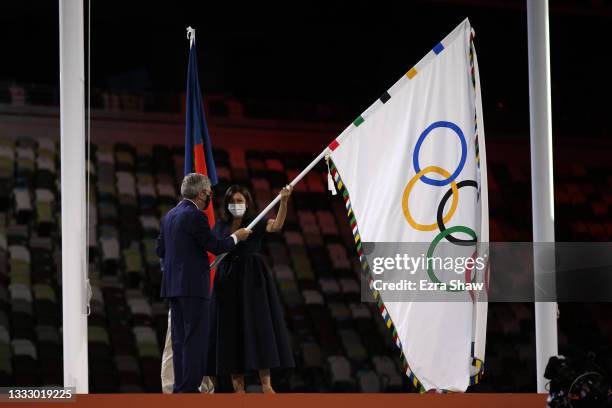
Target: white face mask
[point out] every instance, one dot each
(237, 210)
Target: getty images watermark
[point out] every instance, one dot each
(411, 265)
(467, 271)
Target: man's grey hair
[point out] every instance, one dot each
(193, 184)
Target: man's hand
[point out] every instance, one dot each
(242, 234)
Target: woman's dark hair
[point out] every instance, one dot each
(236, 188)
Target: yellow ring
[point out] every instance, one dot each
(406, 195)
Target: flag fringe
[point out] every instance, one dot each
(476, 362)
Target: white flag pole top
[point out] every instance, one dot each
(191, 36)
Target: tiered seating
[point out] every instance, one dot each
(340, 374)
(29, 318)
(582, 199)
(123, 327)
(340, 343)
(507, 209)
(146, 339)
(511, 331)
(7, 172)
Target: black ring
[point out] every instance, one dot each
(441, 226)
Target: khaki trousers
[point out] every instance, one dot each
(167, 368)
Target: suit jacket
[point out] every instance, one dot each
(184, 238)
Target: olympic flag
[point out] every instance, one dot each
(396, 165)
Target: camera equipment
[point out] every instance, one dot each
(576, 380)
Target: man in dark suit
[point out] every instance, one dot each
(184, 239)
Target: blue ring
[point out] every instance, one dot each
(415, 155)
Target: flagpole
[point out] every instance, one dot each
(542, 197)
(73, 199)
(269, 207)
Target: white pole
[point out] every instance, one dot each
(540, 123)
(277, 199)
(72, 140)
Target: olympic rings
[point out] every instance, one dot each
(441, 219)
(406, 195)
(441, 226)
(437, 239)
(417, 148)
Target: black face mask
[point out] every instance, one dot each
(206, 202)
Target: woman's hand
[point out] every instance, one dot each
(276, 224)
(286, 192)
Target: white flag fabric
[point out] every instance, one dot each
(393, 165)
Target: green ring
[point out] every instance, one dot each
(458, 228)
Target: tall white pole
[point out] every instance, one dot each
(540, 124)
(72, 131)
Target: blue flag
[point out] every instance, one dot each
(198, 150)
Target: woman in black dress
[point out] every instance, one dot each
(251, 332)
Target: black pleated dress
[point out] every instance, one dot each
(251, 332)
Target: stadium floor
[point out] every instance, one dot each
(300, 400)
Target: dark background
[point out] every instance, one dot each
(344, 52)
